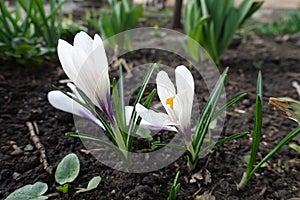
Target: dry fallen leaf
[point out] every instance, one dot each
(287, 106)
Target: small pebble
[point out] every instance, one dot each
(28, 147)
(16, 176)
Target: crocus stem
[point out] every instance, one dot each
(243, 181)
(120, 142)
(192, 157)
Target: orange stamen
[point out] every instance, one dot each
(170, 101)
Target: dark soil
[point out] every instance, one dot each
(24, 98)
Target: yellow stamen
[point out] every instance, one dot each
(170, 101)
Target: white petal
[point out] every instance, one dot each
(144, 123)
(183, 109)
(75, 93)
(184, 81)
(165, 90)
(62, 102)
(97, 41)
(98, 54)
(65, 51)
(154, 118)
(84, 42)
(79, 57)
(128, 113)
(93, 79)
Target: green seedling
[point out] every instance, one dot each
(174, 188)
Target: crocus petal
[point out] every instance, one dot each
(62, 102)
(84, 42)
(65, 55)
(144, 123)
(185, 95)
(152, 117)
(183, 110)
(74, 91)
(93, 78)
(184, 81)
(166, 90)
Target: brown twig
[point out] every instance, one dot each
(40, 147)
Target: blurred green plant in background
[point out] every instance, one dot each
(213, 23)
(289, 24)
(29, 34)
(122, 17)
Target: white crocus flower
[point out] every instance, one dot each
(177, 102)
(85, 63)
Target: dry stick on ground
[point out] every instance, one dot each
(40, 147)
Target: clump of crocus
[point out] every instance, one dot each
(85, 63)
(178, 103)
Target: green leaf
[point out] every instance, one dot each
(63, 188)
(283, 142)
(216, 34)
(144, 83)
(68, 169)
(206, 115)
(295, 147)
(144, 133)
(174, 188)
(256, 136)
(30, 192)
(221, 141)
(93, 183)
(227, 105)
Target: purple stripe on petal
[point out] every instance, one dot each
(109, 105)
(106, 108)
(160, 127)
(88, 115)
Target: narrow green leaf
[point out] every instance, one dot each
(138, 99)
(118, 107)
(295, 147)
(283, 142)
(257, 124)
(227, 105)
(89, 137)
(207, 113)
(174, 188)
(219, 142)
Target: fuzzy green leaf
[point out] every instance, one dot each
(30, 192)
(93, 183)
(68, 169)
